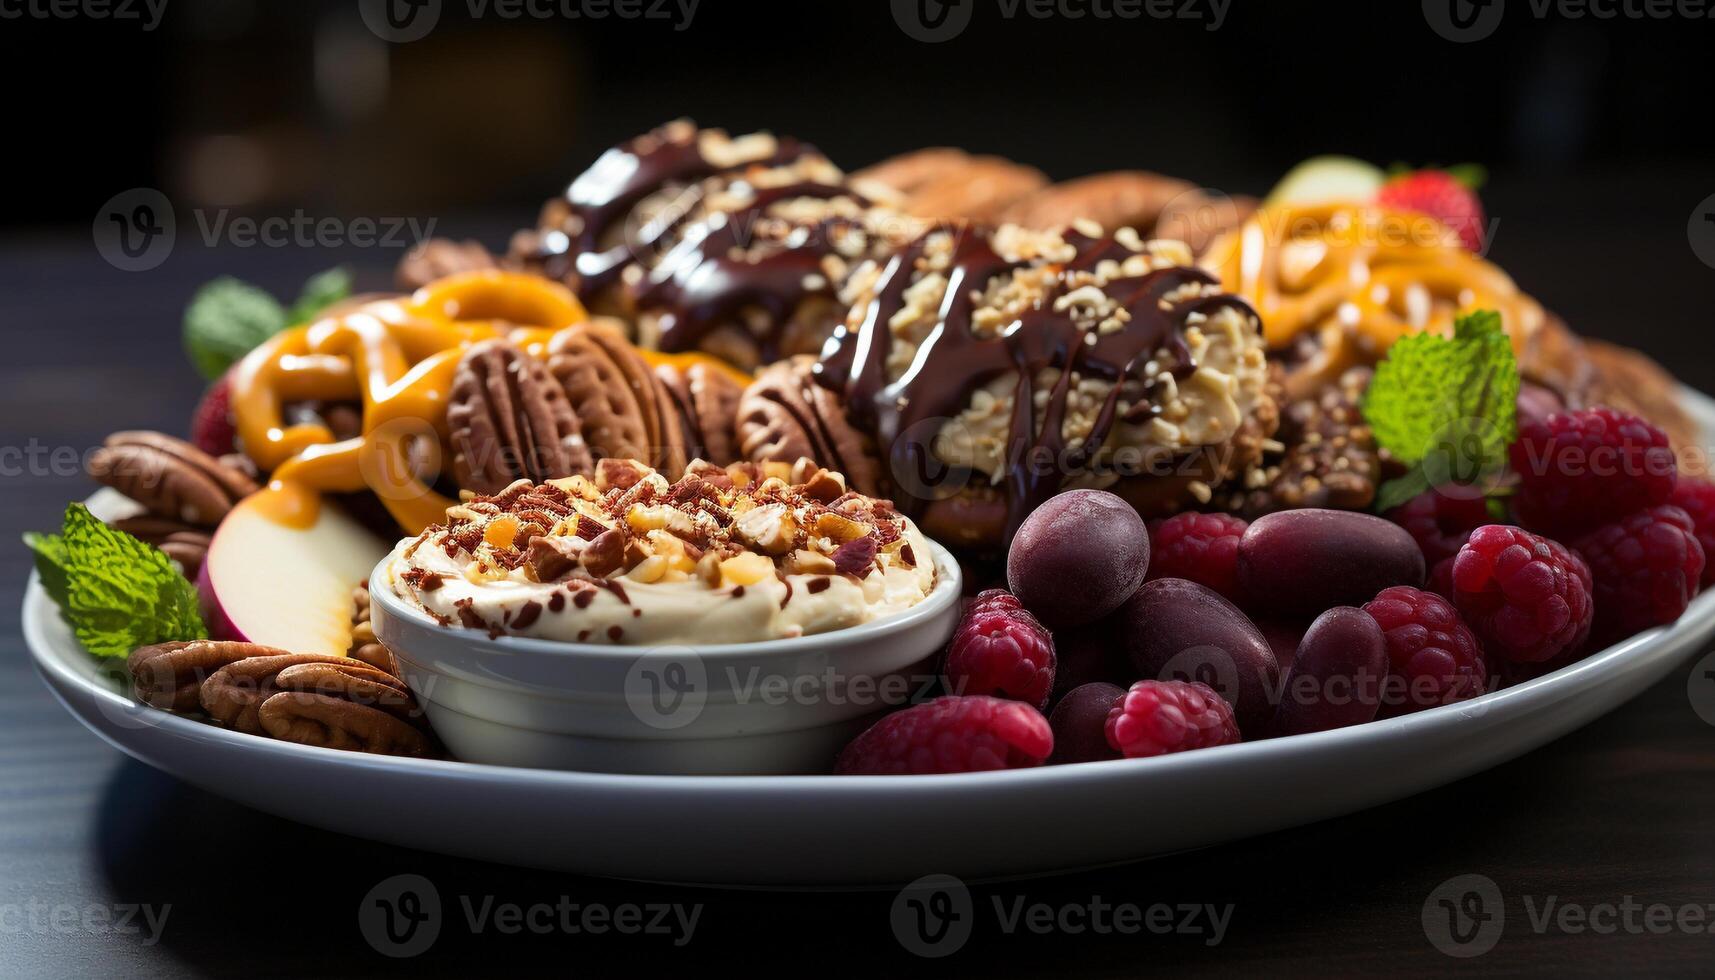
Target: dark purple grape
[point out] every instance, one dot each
(1336, 676)
(1297, 563)
(1179, 630)
(1080, 721)
(1095, 652)
(1282, 636)
(1077, 557)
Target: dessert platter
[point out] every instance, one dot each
(744, 514)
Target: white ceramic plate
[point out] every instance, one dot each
(802, 830)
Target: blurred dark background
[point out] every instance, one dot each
(1598, 132)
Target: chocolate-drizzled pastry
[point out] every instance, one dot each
(994, 369)
(735, 246)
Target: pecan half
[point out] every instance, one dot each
(785, 415)
(170, 675)
(510, 419)
(233, 694)
(335, 723)
(169, 477)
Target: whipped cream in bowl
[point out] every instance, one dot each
(742, 619)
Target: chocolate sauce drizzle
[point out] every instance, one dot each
(697, 278)
(706, 280)
(953, 362)
(603, 197)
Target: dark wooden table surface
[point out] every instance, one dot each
(1613, 816)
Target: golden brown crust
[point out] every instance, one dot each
(945, 183)
(1629, 380)
(1121, 199)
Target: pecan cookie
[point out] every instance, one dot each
(785, 416)
(169, 477)
(509, 419)
(706, 398)
(945, 183)
(622, 406)
(1123, 199)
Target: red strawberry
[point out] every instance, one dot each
(212, 427)
(1440, 195)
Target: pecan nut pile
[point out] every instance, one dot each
(510, 420)
(330, 702)
(184, 491)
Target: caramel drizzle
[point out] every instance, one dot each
(953, 361)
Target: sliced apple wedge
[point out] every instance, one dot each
(284, 586)
(1327, 179)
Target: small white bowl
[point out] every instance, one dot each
(769, 708)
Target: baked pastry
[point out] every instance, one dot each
(993, 369)
(733, 246)
(945, 184)
(942, 183)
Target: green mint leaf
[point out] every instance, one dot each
(1398, 491)
(321, 291)
(121, 593)
(51, 563)
(1448, 406)
(226, 320)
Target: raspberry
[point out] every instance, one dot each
(211, 425)
(1158, 717)
(1697, 498)
(1647, 567)
(1439, 523)
(950, 734)
(1433, 657)
(993, 597)
(1001, 651)
(1441, 579)
(1578, 470)
(1527, 598)
(1201, 547)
